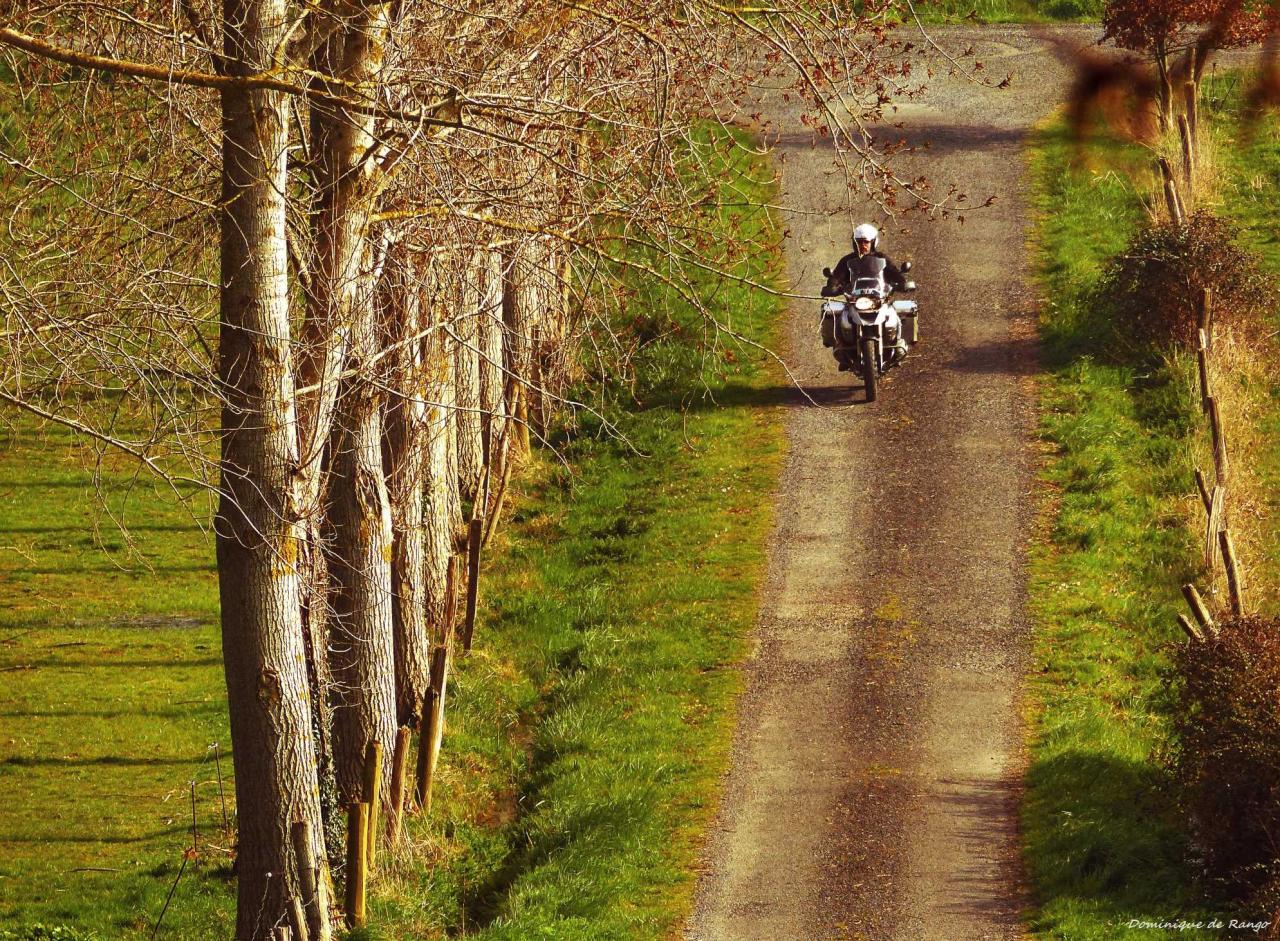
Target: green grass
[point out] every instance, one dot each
(586, 731)
(1009, 11)
(1103, 843)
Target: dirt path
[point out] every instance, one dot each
(873, 791)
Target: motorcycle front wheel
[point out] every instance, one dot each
(870, 376)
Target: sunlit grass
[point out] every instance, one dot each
(1103, 842)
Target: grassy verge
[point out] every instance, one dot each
(594, 721)
(1103, 845)
(1247, 187)
(586, 732)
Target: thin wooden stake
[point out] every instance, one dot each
(357, 837)
(450, 599)
(1213, 525)
(1204, 491)
(474, 539)
(299, 919)
(283, 933)
(1188, 151)
(1191, 630)
(432, 732)
(1219, 441)
(1191, 102)
(195, 832)
(222, 795)
(421, 789)
(1171, 198)
(308, 883)
(372, 797)
(399, 769)
(494, 515)
(1234, 588)
(1198, 609)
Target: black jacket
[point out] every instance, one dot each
(863, 266)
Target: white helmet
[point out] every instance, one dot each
(867, 232)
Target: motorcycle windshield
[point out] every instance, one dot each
(869, 266)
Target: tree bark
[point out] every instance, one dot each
(522, 309)
(489, 277)
(442, 509)
(405, 455)
(344, 320)
(258, 510)
(467, 417)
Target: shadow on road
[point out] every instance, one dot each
(1005, 357)
(935, 138)
(743, 396)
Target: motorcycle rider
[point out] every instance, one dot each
(865, 261)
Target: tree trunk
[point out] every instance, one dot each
(521, 312)
(489, 335)
(405, 456)
(344, 315)
(442, 510)
(467, 417)
(362, 646)
(257, 522)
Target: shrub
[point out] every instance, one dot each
(1154, 285)
(1227, 760)
(1072, 9)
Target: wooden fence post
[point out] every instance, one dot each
(1191, 630)
(421, 789)
(1212, 525)
(372, 797)
(1202, 363)
(1172, 201)
(1219, 442)
(1204, 492)
(1232, 565)
(1206, 318)
(1192, 105)
(432, 731)
(1188, 151)
(314, 904)
(357, 837)
(1198, 609)
(399, 767)
(299, 919)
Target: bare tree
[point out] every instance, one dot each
(418, 206)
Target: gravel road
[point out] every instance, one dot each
(875, 773)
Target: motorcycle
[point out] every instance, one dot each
(868, 331)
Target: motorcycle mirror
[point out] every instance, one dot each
(826, 272)
(906, 266)
(911, 285)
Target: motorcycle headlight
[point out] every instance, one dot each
(866, 303)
